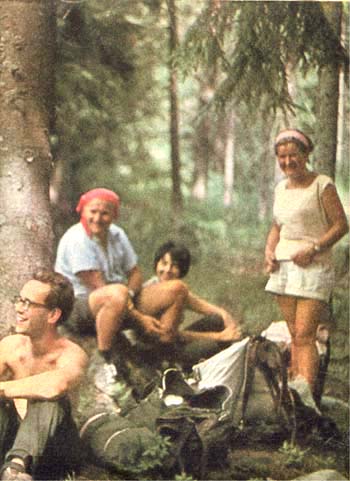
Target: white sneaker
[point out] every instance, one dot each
(106, 378)
(106, 381)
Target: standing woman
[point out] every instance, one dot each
(308, 220)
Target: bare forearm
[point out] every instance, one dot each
(137, 316)
(272, 239)
(149, 324)
(45, 386)
(189, 336)
(332, 236)
(201, 306)
(336, 218)
(228, 334)
(135, 280)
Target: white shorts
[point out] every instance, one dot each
(315, 281)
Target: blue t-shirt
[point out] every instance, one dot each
(78, 252)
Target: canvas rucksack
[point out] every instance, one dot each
(200, 416)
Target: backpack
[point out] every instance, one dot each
(200, 417)
(196, 423)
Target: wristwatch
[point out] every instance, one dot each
(131, 293)
(317, 248)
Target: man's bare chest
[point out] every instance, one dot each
(26, 364)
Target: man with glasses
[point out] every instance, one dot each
(39, 368)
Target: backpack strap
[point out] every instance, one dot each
(182, 433)
(267, 357)
(271, 362)
(248, 376)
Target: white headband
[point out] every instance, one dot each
(293, 134)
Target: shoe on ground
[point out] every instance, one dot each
(108, 382)
(12, 471)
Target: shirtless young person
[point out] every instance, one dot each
(38, 370)
(202, 338)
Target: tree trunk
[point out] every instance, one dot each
(177, 202)
(202, 148)
(329, 98)
(27, 56)
(343, 118)
(229, 159)
(267, 171)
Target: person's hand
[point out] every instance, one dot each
(271, 264)
(229, 334)
(304, 257)
(151, 326)
(227, 318)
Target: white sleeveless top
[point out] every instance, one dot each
(301, 217)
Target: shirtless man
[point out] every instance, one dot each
(38, 369)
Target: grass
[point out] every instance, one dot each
(228, 270)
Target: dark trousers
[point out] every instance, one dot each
(193, 352)
(186, 353)
(46, 439)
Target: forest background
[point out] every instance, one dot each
(173, 104)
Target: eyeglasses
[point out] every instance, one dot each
(26, 303)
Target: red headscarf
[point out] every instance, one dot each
(102, 194)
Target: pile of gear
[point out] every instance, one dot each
(198, 417)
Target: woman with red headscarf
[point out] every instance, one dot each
(98, 258)
(308, 220)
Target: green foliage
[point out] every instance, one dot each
(203, 42)
(257, 40)
(153, 456)
(106, 99)
(183, 477)
(294, 456)
(70, 477)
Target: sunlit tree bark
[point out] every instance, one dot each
(229, 159)
(27, 56)
(202, 148)
(177, 201)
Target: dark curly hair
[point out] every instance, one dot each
(179, 254)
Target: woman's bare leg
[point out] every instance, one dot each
(288, 306)
(308, 316)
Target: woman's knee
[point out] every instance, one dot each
(178, 289)
(305, 337)
(113, 295)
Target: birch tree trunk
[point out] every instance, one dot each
(229, 159)
(202, 144)
(27, 57)
(177, 202)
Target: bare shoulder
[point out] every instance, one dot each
(13, 342)
(13, 348)
(71, 352)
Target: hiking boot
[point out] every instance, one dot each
(107, 381)
(12, 471)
